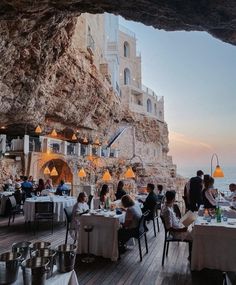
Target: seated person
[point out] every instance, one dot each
(160, 194)
(48, 184)
(208, 193)
(40, 186)
(120, 191)
(104, 194)
(26, 187)
(130, 227)
(62, 188)
(232, 196)
(172, 223)
(18, 193)
(80, 207)
(150, 202)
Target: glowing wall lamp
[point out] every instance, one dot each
(53, 133)
(74, 137)
(46, 170)
(129, 173)
(38, 130)
(106, 176)
(54, 172)
(82, 173)
(218, 171)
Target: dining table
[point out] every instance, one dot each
(60, 202)
(214, 244)
(103, 237)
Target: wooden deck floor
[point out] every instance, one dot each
(128, 270)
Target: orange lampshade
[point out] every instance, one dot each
(74, 137)
(85, 140)
(129, 173)
(54, 133)
(82, 173)
(46, 170)
(97, 142)
(106, 176)
(54, 172)
(38, 130)
(218, 172)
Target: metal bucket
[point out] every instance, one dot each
(21, 247)
(48, 253)
(9, 267)
(65, 258)
(35, 270)
(39, 245)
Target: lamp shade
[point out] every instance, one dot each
(129, 173)
(85, 140)
(54, 133)
(46, 170)
(97, 142)
(74, 137)
(54, 172)
(81, 173)
(218, 172)
(106, 176)
(38, 130)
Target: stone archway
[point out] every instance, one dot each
(64, 171)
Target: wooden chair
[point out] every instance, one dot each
(14, 209)
(68, 213)
(168, 239)
(44, 211)
(155, 218)
(90, 198)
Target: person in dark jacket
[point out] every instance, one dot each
(120, 191)
(150, 202)
(195, 191)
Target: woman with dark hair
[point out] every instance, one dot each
(40, 186)
(79, 208)
(120, 191)
(208, 197)
(104, 193)
(132, 218)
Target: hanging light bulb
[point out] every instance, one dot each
(46, 170)
(218, 172)
(129, 173)
(82, 173)
(85, 140)
(54, 133)
(106, 176)
(38, 130)
(74, 137)
(54, 172)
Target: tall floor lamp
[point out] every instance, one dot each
(218, 171)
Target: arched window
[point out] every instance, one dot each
(126, 76)
(160, 115)
(155, 108)
(149, 106)
(126, 49)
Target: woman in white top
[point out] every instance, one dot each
(172, 223)
(80, 207)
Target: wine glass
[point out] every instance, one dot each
(63, 193)
(38, 193)
(102, 205)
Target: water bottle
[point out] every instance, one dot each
(218, 214)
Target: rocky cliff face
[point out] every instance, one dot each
(216, 17)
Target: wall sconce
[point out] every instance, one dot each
(74, 137)
(53, 133)
(54, 172)
(129, 173)
(82, 173)
(38, 130)
(85, 140)
(106, 176)
(46, 170)
(218, 171)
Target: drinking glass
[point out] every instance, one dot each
(38, 193)
(102, 205)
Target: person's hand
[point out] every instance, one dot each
(140, 201)
(222, 194)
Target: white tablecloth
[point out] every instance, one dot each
(214, 245)
(103, 238)
(68, 278)
(60, 203)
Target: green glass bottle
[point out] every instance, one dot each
(218, 214)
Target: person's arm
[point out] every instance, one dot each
(210, 198)
(128, 219)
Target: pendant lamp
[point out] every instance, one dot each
(54, 172)
(82, 173)
(38, 130)
(54, 133)
(106, 176)
(46, 170)
(129, 173)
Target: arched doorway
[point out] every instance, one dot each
(62, 168)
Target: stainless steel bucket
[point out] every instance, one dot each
(9, 267)
(21, 247)
(48, 253)
(35, 270)
(65, 258)
(39, 245)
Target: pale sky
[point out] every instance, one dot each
(196, 74)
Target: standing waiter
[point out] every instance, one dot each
(195, 191)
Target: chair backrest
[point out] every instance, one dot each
(90, 198)
(12, 200)
(177, 211)
(142, 222)
(44, 207)
(68, 213)
(164, 225)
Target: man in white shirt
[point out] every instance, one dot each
(232, 196)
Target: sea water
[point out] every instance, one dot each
(221, 184)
